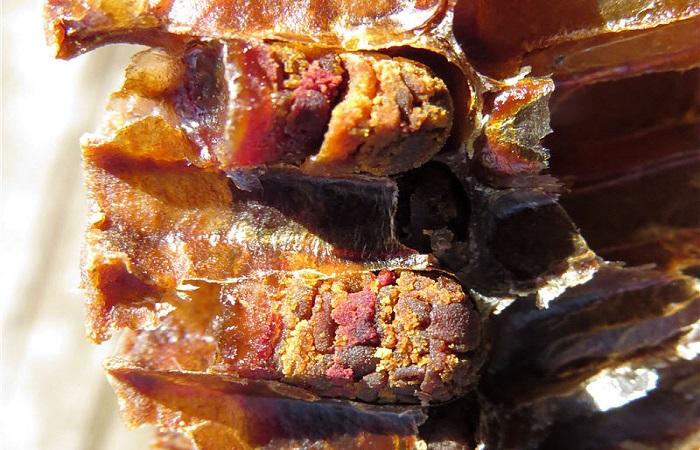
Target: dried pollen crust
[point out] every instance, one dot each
(398, 336)
(394, 116)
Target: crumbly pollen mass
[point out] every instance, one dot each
(404, 337)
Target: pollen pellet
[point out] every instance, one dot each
(338, 350)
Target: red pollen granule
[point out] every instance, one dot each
(319, 79)
(356, 318)
(338, 372)
(385, 278)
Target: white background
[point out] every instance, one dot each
(54, 392)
